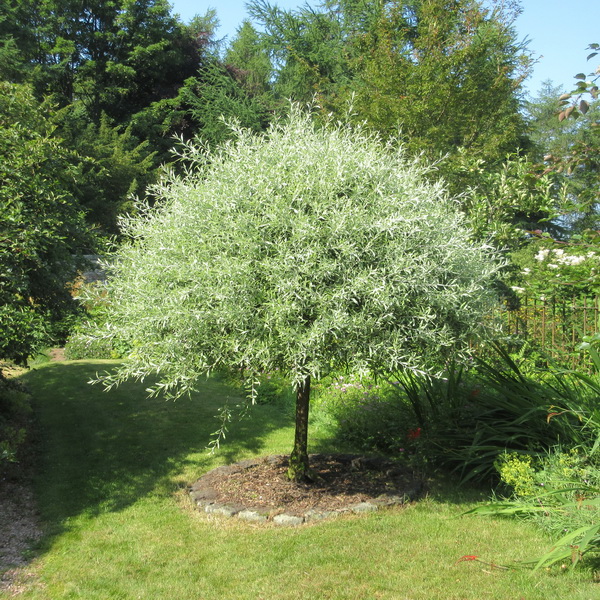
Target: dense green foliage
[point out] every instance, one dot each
(15, 417)
(445, 74)
(42, 228)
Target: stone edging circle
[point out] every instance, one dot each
(204, 495)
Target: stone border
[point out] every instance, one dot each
(204, 496)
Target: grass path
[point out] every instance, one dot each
(111, 488)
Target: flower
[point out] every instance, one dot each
(414, 434)
(467, 557)
(542, 254)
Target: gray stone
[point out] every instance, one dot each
(222, 509)
(203, 496)
(316, 515)
(362, 507)
(289, 520)
(252, 515)
(389, 500)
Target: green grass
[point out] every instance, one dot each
(111, 486)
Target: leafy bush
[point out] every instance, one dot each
(79, 345)
(467, 417)
(559, 270)
(15, 411)
(42, 226)
(368, 415)
(560, 488)
(513, 410)
(560, 492)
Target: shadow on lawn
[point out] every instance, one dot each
(102, 451)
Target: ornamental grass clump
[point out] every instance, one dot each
(306, 249)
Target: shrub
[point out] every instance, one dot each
(559, 487)
(368, 415)
(560, 492)
(15, 412)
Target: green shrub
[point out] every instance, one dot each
(15, 412)
(560, 492)
(80, 347)
(559, 487)
(372, 416)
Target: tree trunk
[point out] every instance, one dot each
(298, 469)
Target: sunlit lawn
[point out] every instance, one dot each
(112, 493)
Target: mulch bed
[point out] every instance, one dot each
(343, 481)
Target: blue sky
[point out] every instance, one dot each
(558, 31)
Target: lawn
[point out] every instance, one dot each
(111, 483)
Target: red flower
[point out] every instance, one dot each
(414, 434)
(466, 557)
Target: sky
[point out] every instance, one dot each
(558, 33)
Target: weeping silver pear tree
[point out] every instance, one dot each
(304, 249)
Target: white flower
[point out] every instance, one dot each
(571, 260)
(552, 266)
(526, 271)
(542, 254)
(517, 289)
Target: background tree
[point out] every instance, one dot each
(548, 134)
(41, 227)
(567, 137)
(446, 73)
(115, 69)
(247, 57)
(305, 250)
(112, 166)
(307, 49)
(114, 57)
(220, 92)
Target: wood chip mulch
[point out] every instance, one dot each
(343, 480)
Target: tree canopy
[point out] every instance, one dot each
(302, 250)
(41, 225)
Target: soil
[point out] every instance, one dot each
(19, 522)
(57, 354)
(19, 529)
(341, 481)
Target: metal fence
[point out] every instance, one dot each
(554, 326)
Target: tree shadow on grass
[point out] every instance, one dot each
(102, 451)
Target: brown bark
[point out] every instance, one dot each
(298, 465)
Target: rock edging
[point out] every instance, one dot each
(204, 496)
